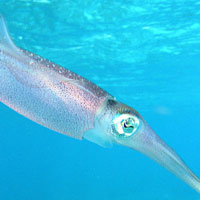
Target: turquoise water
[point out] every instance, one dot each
(146, 53)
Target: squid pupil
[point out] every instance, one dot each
(128, 124)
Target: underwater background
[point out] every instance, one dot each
(146, 54)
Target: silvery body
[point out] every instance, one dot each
(67, 103)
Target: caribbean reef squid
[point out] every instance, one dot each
(65, 102)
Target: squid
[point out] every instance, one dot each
(65, 102)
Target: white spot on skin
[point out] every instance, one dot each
(31, 62)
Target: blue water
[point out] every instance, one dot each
(146, 53)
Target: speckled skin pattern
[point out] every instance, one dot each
(48, 93)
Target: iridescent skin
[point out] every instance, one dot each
(70, 104)
(47, 93)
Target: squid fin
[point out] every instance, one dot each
(5, 39)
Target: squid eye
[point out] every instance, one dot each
(125, 125)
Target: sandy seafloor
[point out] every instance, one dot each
(147, 54)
